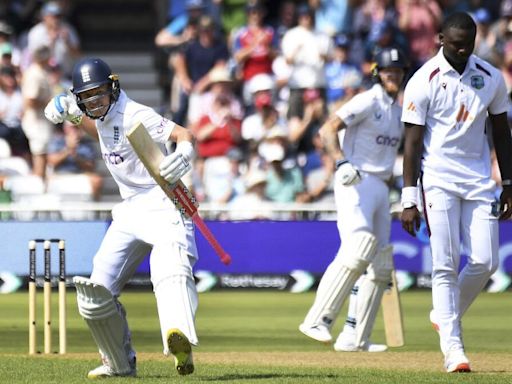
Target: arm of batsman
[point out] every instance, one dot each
(174, 166)
(346, 174)
(63, 107)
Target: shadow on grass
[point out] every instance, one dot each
(265, 376)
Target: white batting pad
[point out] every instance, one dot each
(339, 278)
(176, 299)
(107, 325)
(370, 293)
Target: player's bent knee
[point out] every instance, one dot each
(359, 251)
(382, 265)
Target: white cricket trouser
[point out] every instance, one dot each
(459, 215)
(364, 207)
(148, 222)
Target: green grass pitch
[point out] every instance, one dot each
(252, 337)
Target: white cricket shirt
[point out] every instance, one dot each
(123, 163)
(374, 131)
(453, 108)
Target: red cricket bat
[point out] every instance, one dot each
(151, 156)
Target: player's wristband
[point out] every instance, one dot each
(409, 197)
(339, 163)
(506, 182)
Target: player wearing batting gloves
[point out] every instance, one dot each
(364, 163)
(145, 221)
(446, 106)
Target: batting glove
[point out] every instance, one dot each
(346, 173)
(63, 107)
(175, 165)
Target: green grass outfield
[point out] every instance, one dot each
(252, 337)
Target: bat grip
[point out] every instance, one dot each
(223, 255)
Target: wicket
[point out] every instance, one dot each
(47, 290)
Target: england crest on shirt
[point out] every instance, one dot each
(477, 81)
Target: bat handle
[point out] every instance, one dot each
(223, 255)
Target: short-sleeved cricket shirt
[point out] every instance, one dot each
(374, 131)
(453, 108)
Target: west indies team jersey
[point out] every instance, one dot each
(454, 108)
(123, 163)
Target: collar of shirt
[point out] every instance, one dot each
(380, 93)
(446, 67)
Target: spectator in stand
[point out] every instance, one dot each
(9, 51)
(284, 179)
(306, 52)
(193, 64)
(57, 34)
(506, 64)
(216, 133)
(341, 75)
(11, 111)
(367, 15)
(483, 44)
(37, 92)
(256, 125)
(382, 35)
(182, 28)
(286, 21)
(332, 16)
(220, 83)
(319, 176)
(253, 204)
(420, 21)
(72, 153)
(303, 129)
(254, 47)
(501, 31)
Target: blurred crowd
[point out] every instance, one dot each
(254, 80)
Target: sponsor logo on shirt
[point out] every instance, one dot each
(411, 107)
(387, 140)
(113, 158)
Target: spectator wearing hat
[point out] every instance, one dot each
(57, 34)
(265, 116)
(254, 47)
(37, 92)
(193, 64)
(343, 78)
(220, 83)
(11, 111)
(252, 204)
(306, 52)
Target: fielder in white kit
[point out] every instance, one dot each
(372, 138)
(446, 105)
(145, 221)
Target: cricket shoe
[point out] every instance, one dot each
(456, 361)
(181, 348)
(318, 332)
(105, 371)
(346, 343)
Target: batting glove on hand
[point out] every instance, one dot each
(63, 107)
(175, 165)
(346, 173)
